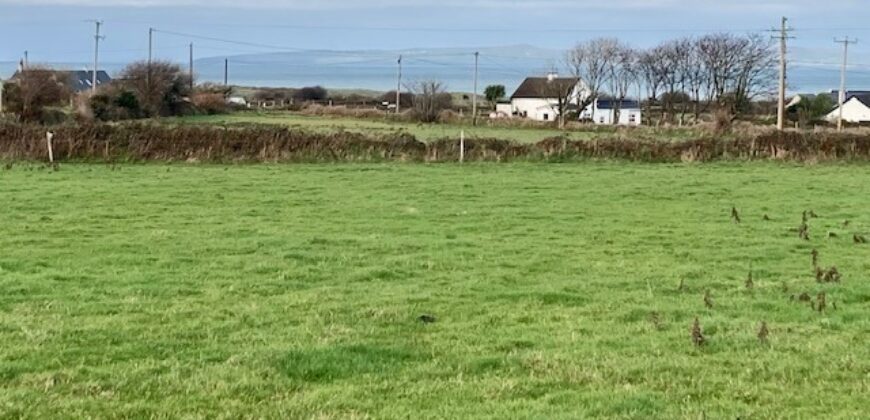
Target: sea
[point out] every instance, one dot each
(379, 70)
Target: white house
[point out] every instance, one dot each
(603, 111)
(537, 98)
(856, 109)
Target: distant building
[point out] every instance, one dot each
(536, 98)
(856, 108)
(76, 80)
(603, 111)
(238, 100)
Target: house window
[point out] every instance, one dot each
(601, 120)
(546, 117)
(632, 118)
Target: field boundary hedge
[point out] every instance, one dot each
(200, 143)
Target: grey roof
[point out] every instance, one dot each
(861, 95)
(543, 87)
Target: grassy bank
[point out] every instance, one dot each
(295, 291)
(503, 130)
(153, 141)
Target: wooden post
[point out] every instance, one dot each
(48, 137)
(462, 146)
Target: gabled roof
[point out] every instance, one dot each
(543, 87)
(81, 80)
(861, 95)
(78, 80)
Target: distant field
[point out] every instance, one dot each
(161, 291)
(424, 132)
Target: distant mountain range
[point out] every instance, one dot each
(815, 71)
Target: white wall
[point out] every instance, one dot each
(606, 116)
(504, 109)
(854, 111)
(542, 109)
(535, 109)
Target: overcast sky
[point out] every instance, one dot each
(57, 31)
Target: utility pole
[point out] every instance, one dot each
(783, 69)
(191, 67)
(97, 39)
(26, 59)
(150, 45)
(474, 97)
(150, 54)
(399, 88)
(226, 71)
(842, 95)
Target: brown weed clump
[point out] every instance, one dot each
(763, 333)
(820, 275)
(815, 255)
(735, 215)
(697, 335)
(832, 275)
(708, 300)
(821, 302)
(804, 232)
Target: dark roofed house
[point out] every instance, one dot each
(82, 80)
(604, 112)
(856, 108)
(77, 80)
(862, 95)
(537, 97)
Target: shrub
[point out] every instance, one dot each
(35, 90)
(161, 87)
(308, 94)
(210, 103)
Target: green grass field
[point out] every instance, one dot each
(266, 291)
(423, 132)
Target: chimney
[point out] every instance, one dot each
(552, 76)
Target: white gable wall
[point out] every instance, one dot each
(627, 116)
(535, 109)
(544, 109)
(854, 111)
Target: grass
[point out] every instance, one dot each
(167, 291)
(424, 132)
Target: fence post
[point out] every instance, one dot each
(462, 146)
(48, 137)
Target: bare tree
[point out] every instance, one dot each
(430, 98)
(649, 71)
(739, 68)
(697, 78)
(160, 86)
(622, 73)
(588, 61)
(755, 71)
(560, 91)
